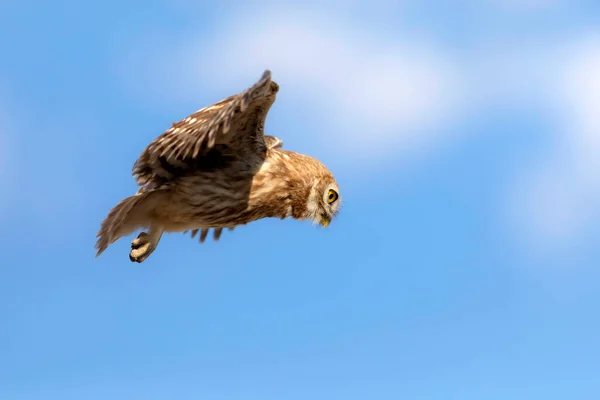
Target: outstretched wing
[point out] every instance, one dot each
(236, 122)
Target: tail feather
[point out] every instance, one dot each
(123, 219)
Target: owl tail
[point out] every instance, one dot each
(126, 217)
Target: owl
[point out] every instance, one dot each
(217, 169)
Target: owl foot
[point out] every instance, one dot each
(141, 248)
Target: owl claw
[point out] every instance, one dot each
(141, 248)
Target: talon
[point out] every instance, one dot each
(143, 238)
(141, 248)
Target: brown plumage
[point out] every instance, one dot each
(217, 169)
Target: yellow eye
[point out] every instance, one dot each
(332, 196)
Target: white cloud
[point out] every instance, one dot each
(558, 198)
(370, 95)
(376, 95)
(581, 91)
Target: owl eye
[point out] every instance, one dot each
(332, 196)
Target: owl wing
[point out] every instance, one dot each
(236, 122)
(272, 142)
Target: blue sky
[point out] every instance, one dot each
(464, 263)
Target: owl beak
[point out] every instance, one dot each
(325, 221)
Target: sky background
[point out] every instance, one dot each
(465, 137)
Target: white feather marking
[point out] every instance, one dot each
(208, 108)
(312, 206)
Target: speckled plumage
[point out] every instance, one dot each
(217, 169)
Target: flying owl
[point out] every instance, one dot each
(217, 169)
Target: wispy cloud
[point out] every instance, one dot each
(561, 193)
(376, 95)
(367, 95)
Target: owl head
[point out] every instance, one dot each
(324, 200)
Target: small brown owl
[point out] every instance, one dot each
(217, 169)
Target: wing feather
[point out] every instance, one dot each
(236, 121)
